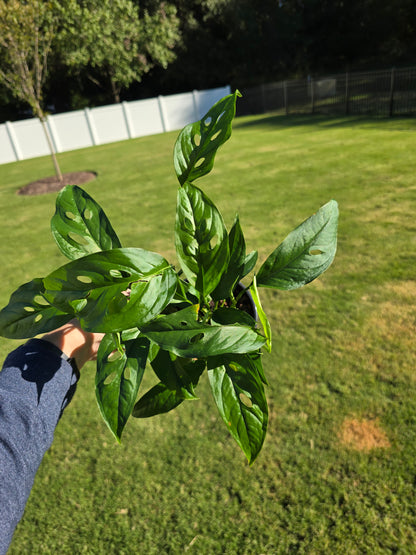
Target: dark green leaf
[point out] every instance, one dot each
(180, 374)
(157, 400)
(249, 263)
(262, 315)
(305, 253)
(241, 401)
(118, 379)
(200, 239)
(183, 335)
(80, 226)
(28, 313)
(198, 142)
(229, 316)
(234, 271)
(113, 290)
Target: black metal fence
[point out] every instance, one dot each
(381, 93)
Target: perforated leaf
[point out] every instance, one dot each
(113, 290)
(305, 253)
(197, 144)
(118, 379)
(183, 335)
(178, 373)
(241, 401)
(200, 239)
(80, 226)
(28, 313)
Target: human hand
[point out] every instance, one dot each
(75, 342)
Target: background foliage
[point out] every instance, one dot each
(337, 471)
(217, 42)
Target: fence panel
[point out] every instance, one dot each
(30, 138)
(82, 128)
(145, 117)
(72, 129)
(381, 93)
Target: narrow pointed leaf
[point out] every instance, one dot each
(200, 238)
(80, 226)
(118, 379)
(241, 401)
(28, 313)
(234, 271)
(197, 144)
(95, 288)
(305, 253)
(249, 262)
(262, 315)
(158, 400)
(183, 335)
(177, 373)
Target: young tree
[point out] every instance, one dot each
(114, 42)
(27, 34)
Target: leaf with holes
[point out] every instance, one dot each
(113, 290)
(118, 379)
(197, 143)
(182, 334)
(177, 373)
(158, 400)
(200, 239)
(305, 253)
(28, 313)
(235, 268)
(80, 226)
(241, 401)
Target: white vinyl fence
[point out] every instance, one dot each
(20, 140)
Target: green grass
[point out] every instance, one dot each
(344, 356)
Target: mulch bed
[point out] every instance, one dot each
(52, 184)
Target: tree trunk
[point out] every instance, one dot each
(51, 147)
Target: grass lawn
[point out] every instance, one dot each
(337, 473)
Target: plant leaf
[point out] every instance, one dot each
(157, 400)
(234, 271)
(183, 335)
(262, 315)
(118, 380)
(249, 263)
(197, 143)
(177, 373)
(96, 288)
(80, 226)
(28, 313)
(305, 253)
(241, 401)
(200, 239)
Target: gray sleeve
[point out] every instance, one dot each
(36, 384)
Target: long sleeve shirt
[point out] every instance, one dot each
(36, 383)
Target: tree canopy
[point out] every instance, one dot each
(111, 42)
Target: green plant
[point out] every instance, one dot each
(183, 322)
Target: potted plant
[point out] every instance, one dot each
(182, 321)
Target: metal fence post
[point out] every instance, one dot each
(312, 96)
(347, 94)
(285, 97)
(391, 103)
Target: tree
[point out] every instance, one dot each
(27, 34)
(115, 42)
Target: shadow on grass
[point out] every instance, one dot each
(322, 121)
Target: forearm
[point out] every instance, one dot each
(36, 384)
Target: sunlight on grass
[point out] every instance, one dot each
(341, 377)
